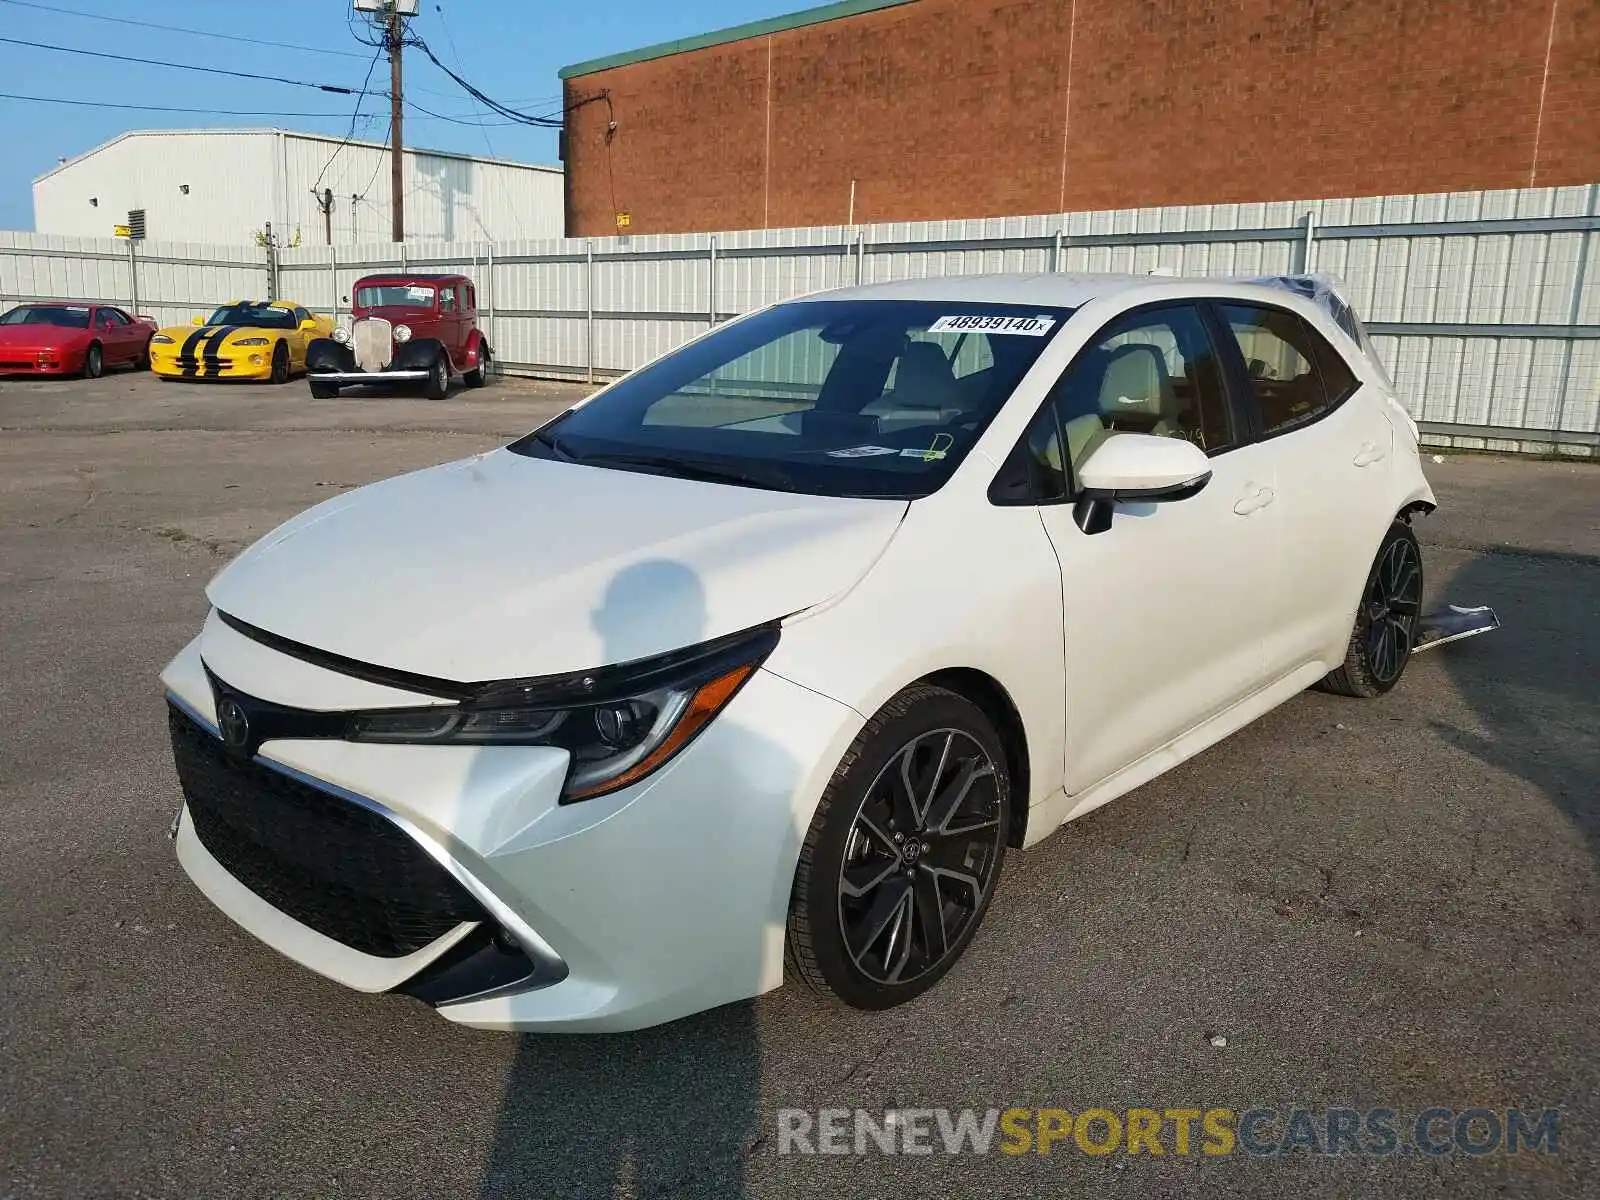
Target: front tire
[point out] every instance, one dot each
(280, 364)
(438, 383)
(903, 854)
(1386, 623)
(94, 362)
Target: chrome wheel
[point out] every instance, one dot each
(920, 857)
(1391, 608)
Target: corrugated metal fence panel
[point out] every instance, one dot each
(175, 280)
(36, 266)
(1468, 293)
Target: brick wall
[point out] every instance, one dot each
(971, 108)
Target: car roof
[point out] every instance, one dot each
(263, 303)
(410, 277)
(1050, 289)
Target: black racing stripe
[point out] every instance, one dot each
(186, 353)
(213, 352)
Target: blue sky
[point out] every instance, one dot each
(509, 50)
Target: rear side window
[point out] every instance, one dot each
(1285, 361)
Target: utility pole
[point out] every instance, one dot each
(397, 194)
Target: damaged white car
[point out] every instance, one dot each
(758, 661)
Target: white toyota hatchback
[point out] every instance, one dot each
(761, 658)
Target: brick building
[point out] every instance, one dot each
(970, 108)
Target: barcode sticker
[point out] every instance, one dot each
(979, 323)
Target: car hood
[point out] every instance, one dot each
(503, 566)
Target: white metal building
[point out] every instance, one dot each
(222, 186)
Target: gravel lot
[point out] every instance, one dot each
(1387, 903)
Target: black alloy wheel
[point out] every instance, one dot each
(896, 875)
(1387, 622)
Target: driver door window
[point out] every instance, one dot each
(1151, 371)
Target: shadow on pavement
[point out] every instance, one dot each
(668, 1111)
(665, 1111)
(1535, 683)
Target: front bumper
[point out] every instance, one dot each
(33, 363)
(170, 366)
(350, 378)
(640, 907)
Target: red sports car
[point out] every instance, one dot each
(72, 339)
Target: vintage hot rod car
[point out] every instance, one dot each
(405, 328)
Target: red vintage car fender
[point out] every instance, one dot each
(475, 342)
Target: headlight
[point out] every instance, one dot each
(341, 334)
(402, 333)
(618, 724)
(161, 339)
(252, 341)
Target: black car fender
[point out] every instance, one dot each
(326, 354)
(418, 354)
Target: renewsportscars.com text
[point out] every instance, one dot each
(1208, 1132)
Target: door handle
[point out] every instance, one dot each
(1369, 453)
(1249, 503)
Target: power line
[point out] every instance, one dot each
(150, 62)
(521, 118)
(354, 117)
(483, 129)
(217, 112)
(226, 37)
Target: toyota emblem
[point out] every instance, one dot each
(233, 724)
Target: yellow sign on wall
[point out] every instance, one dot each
(624, 220)
(121, 231)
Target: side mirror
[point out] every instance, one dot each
(198, 321)
(346, 300)
(1137, 468)
(308, 326)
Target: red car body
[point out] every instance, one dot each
(57, 339)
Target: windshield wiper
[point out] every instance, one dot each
(556, 446)
(686, 469)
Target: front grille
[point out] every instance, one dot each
(336, 866)
(372, 342)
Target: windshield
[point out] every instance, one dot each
(395, 295)
(261, 316)
(66, 318)
(841, 398)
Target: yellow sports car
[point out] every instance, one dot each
(244, 339)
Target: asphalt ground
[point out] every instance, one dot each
(1377, 904)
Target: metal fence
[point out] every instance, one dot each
(1484, 305)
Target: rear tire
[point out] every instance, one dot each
(438, 384)
(94, 361)
(1386, 622)
(479, 375)
(323, 391)
(280, 364)
(903, 854)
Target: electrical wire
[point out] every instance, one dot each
(226, 37)
(219, 112)
(483, 129)
(151, 62)
(521, 118)
(354, 117)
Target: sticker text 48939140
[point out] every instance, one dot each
(979, 323)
